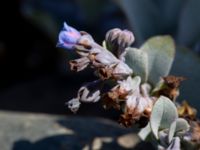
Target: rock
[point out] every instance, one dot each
(27, 131)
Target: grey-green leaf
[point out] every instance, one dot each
(172, 130)
(161, 53)
(175, 144)
(179, 126)
(137, 60)
(163, 114)
(182, 125)
(144, 132)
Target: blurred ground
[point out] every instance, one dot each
(28, 131)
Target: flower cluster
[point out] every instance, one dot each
(127, 93)
(124, 89)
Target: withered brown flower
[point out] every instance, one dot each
(127, 119)
(104, 62)
(173, 81)
(186, 111)
(170, 87)
(79, 64)
(118, 93)
(196, 132)
(110, 101)
(137, 106)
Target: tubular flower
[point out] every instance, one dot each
(104, 62)
(68, 37)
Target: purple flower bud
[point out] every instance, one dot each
(117, 40)
(68, 37)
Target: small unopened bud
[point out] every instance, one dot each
(117, 40)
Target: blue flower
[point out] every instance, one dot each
(68, 37)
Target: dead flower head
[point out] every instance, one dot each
(118, 93)
(137, 105)
(196, 132)
(186, 111)
(170, 87)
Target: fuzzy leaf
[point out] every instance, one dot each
(163, 114)
(172, 131)
(144, 132)
(175, 144)
(140, 14)
(182, 125)
(179, 125)
(161, 53)
(137, 60)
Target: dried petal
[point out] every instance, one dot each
(79, 64)
(81, 50)
(121, 70)
(170, 87)
(101, 58)
(196, 132)
(118, 93)
(110, 101)
(87, 96)
(113, 34)
(126, 119)
(74, 104)
(132, 103)
(116, 71)
(127, 85)
(173, 81)
(137, 106)
(90, 92)
(104, 72)
(186, 111)
(86, 41)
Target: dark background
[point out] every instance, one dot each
(35, 75)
